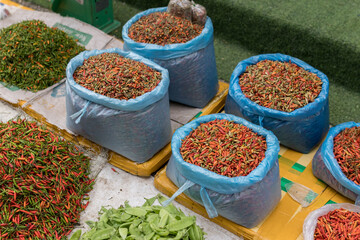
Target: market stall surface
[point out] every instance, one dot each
(113, 186)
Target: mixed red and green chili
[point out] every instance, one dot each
(224, 147)
(115, 76)
(162, 28)
(282, 86)
(43, 182)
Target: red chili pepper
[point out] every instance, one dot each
(224, 147)
(338, 224)
(27, 186)
(282, 86)
(162, 28)
(346, 151)
(131, 78)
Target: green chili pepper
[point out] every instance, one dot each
(34, 56)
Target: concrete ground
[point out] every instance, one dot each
(113, 188)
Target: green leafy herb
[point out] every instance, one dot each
(146, 222)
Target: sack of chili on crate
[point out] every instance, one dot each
(333, 221)
(120, 101)
(187, 52)
(337, 160)
(283, 94)
(228, 165)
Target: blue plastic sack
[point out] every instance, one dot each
(326, 167)
(301, 129)
(245, 200)
(135, 128)
(191, 65)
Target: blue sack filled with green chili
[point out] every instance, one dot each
(243, 199)
(300, 129)
(137, 127)
(191, 65)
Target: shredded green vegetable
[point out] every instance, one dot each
(147, 222)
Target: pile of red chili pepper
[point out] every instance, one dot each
(162, 28)
(224, 147)
(43, 182)
(347, 152)
(338, 224)
(114, 76)
(282, 86)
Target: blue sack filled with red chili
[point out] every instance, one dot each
(120, 101)
(284, 95)
(228, 165)
(337, 160)
(186, 50)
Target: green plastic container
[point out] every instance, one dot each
(98, 13)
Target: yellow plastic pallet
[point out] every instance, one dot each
(160, 158)
(10, 3)
(285, 222)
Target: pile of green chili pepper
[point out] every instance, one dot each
(34, 56)
(146, 222)
(43, 182)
